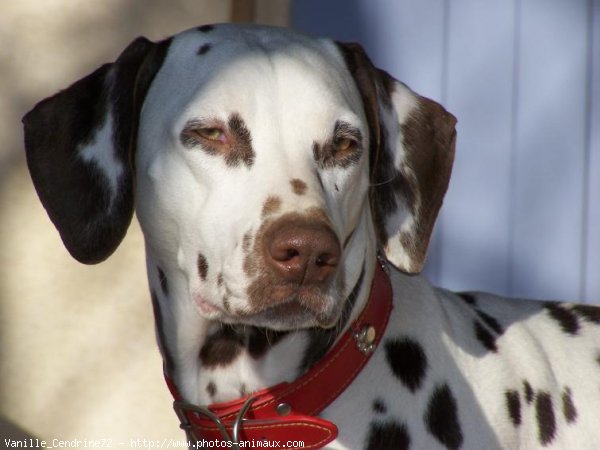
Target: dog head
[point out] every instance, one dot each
(263, 164)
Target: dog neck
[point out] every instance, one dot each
(210, 361)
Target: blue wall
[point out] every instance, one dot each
(522, 215)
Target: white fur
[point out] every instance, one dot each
(96, 153)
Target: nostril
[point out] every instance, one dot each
(292, 253)
(284, 253)
(326, 259)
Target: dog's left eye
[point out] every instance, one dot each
(212, 134)
(344, 144)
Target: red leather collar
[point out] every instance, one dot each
(288, 411)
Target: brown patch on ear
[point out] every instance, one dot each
(405, 199)
(429, 138)
(272, 205)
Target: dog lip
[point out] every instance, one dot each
(205, 306)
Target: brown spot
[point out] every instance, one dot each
(261, 340)
(271, 205)
(247, 242)
(222, 347)
(220, 280)
(529, 394)
(342, 150)
(202, 266)
(243, 390)
(211, 388)
(203, 49)
(298, 186)
(429, 140)
(569, 410)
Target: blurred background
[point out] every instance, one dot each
(522, 215)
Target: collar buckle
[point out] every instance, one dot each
(183, 409)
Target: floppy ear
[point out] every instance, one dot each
(79, 146)
(412, 143)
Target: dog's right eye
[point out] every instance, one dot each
(197, 133)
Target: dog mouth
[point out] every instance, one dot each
(286, 307)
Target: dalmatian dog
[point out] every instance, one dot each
(273, 175)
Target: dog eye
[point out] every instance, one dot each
(212, 134)
(344, 144)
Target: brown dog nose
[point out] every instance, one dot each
(302, 251)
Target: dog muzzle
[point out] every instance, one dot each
(289, 412)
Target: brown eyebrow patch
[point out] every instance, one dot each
(298, 186)
(329, 155)
(271, 205)
(242, 151)
(206, 28)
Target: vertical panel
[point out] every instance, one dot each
(480, 94)
(403, 37)
(338, 19)
(592, 246)
(548, 191)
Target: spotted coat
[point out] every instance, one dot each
(268, 170)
